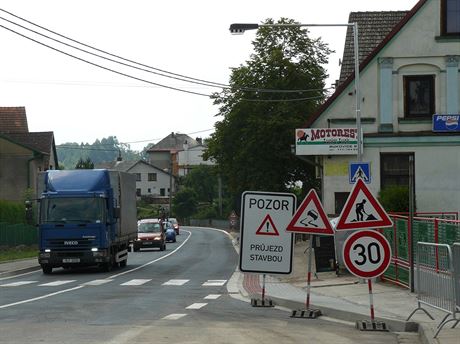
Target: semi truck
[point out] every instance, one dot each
(86, 218)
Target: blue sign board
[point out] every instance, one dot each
(446, 123)
(359, 170)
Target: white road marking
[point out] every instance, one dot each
(212, 297)
(174, 316)
(136, 282)
(176, 282)
(196, 306)
(17, 284)
(214, 283)
(56, 283)
(40, 297)
(98, 282)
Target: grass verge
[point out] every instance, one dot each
(19, 252)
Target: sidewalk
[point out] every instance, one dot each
(346, 298)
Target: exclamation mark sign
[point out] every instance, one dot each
(267, 225)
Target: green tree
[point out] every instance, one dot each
(203, 180)
(84, 164)
(252, 142)
(184, 203)
(395, 198)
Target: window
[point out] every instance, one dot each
(419, 96)
(138, 177)
(450, 14)
(152, 177)
(149, 190)
(162, 192)
(138, 192)
(340, 199)
(394, 169)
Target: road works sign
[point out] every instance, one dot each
(362, 210)
(366, 254)
(265, 246)
(310, 217)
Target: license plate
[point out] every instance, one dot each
(71, 260)
(148, 243)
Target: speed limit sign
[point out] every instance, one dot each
(366, 254)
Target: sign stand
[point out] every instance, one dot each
(307, 312)
(263, 302)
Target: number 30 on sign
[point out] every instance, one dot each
(366, 254)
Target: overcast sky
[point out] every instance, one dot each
(81, 102)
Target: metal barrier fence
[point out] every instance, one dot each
(456, 264)
(400, 236)
(18, 234)
(435, 282)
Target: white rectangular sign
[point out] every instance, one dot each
(326, 141)
(265, 246)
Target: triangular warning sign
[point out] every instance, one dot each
(267, 227)
(362, 210)
(310, 217)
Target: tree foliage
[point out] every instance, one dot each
(86, 164)
(203, 180)
(395, 198)
(184, 203)
(252, 142)
(104, 150)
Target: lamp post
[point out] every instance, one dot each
(241, 28)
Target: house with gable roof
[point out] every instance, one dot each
(22, 154)
(409, 71)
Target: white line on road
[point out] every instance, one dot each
(98, 282)
(136, 282)
(212, 297)
(196, 306)
(214, 283)
(174, 316)
(17, 284)
(176, 282)
(56, 283)
(40, 297)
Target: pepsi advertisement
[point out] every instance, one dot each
(446, 123)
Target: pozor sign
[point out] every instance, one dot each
(265, 246)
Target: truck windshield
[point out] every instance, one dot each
(63, 210)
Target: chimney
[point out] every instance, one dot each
(199, 140)
(119, 158)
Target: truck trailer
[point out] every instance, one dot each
(86, 218)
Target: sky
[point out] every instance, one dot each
(81, 102)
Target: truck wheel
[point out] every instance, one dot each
(47, 269)
(123, 263)
(135, 248)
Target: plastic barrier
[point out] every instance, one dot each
(435, 282)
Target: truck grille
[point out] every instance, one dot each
(69, 244)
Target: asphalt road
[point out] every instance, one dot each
(175, 296)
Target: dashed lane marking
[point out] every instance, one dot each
(196, 306)
(136, 282)
(176, 282)
(212, 297)
(17, 284)
(214, 283)
(98, 282)
(174, 316)
(56, 283)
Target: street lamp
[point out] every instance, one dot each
(241, 28)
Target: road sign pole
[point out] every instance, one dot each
(309, 257)
(371, 299)
(263, 288)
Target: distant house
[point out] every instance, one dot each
(150, 180)
(22, 154)
(191, 156)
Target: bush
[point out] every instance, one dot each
(12, 212)
(395, 198)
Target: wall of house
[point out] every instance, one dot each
(154, 186)
(191, 157)
(160, 159)
(15, 164)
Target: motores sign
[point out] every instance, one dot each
(265, 246)
(326, 141)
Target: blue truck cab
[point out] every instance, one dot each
(86, 217)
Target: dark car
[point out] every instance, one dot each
(169, 231)
(150, 233)
(175, 224)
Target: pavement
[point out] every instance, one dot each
(343, 298)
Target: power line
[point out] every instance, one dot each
(172, 75)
